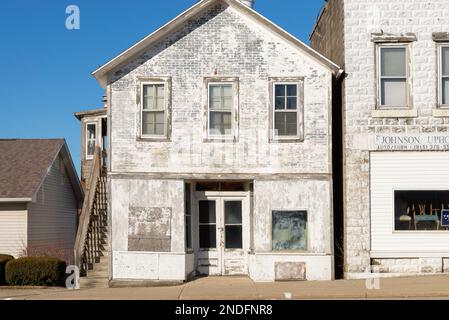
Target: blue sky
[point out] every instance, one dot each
(46, 69)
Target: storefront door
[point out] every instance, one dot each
(223, 233)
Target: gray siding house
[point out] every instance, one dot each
(219, 159)
(40, 198)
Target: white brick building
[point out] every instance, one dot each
(219, 157)
(395, 121)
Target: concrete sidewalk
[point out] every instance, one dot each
(238, 288)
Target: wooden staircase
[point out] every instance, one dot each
(92, 241)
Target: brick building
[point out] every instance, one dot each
(220, 151)
(394, 129)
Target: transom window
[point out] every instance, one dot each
(393, 77)
(154, 113)
(286, 110)
(91, 139)
(221, 104)
(444, 76)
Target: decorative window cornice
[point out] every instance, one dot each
(440, 36)
(383, 37)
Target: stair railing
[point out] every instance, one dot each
(88, 239)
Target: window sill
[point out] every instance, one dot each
(440, 113)
(395, 113)
(153, 139)
(286, 140)
(221, 140)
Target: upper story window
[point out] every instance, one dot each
(444, 76)
(394, 77)
(91, 140)
(286, 106)
(221, 104)
(222, 108)
(154, 108)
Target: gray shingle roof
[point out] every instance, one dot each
(24, 164)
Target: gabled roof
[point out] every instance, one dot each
(101, 73)
(24, 165)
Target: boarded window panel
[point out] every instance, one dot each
(394, 92)
(445, 90)
(233, 212)
(393, 62)
(208, 237)
(289, 230)
(207, 212)
(445, 61)
(233, 237)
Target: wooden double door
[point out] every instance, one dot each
(223, 224)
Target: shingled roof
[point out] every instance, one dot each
(24, 165)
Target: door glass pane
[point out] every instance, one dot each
(208, 236)
(233, 212)
(233, 237)
(394, 92)
(207, 212)
(445, 61)
(446, 91)
(393, 62)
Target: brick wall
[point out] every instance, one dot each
(328, 35)
(221, 42)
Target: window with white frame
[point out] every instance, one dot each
(91, 139)
(286, 111)
(394, 76)
(444, 76)
(154, 110)
(220, 113)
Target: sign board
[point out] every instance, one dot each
(412, 142)
(445, 218)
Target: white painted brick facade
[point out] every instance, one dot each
(222, 42)
(361, 19)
